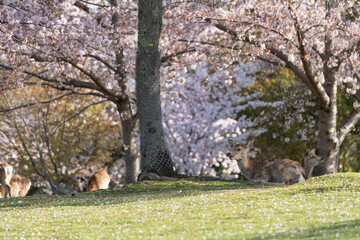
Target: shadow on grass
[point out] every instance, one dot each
(337, 230)
(145, 191)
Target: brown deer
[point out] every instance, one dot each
(19, 185)
(5, 178)
(272, 172)
(100, 180)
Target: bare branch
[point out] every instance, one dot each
(95, 4)
(77, 114)
(235, 47)
(167, 57)
(46, 138)
(56, 84)
(234, 34)
(32, 104)
(32, 161)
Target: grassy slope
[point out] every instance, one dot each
(322, 208)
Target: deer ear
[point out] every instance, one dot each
(231, 143)
(250, 144)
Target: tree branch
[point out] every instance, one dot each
(96, 80)
(45, 125)
(32, 161)
(234, 34)
(319, 89)
(307, 77)
(32, 104)
(95, 4)
(167, 57)
(236, 47)
(82, 6)
(102, 61)
(75, 115)
(73, 82)
(349, 122)
(298, 72)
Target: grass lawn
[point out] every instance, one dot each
(326, 207)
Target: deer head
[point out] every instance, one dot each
(239, 151)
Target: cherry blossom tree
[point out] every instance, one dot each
(83, 47)
(201, 112)
(56, 143)
(77, 47)
(317, 40)
(87, 47)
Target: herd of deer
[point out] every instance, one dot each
(272, 172)
(18, 186)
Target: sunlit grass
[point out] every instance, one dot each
(321, 208)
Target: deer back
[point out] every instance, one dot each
(100, 180)
(23, 184)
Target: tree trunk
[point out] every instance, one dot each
(153, 150)
(327, 140)
(128, 124)
(327, 143)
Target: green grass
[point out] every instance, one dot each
(326, 207)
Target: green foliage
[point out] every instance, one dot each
(291, 126)
(350, 148)
(321, 208)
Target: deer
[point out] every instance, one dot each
(270, 172)
(19, 185)
(100, 180)
(310, 160)
(6, 171)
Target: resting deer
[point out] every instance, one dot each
(100, 180)
(5, 177)
(272, 172)
(19, 185)
(310, 160)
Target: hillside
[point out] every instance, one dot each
(322, 208)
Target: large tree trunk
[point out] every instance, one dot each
(327, 144)
(327, 140)
(153, 150)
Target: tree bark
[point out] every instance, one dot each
(328, 144)
(154, 154)
(128, 123)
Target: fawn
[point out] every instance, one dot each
(272, 172)
(100, 180)
(5, 178)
